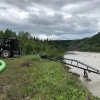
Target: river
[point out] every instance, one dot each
(92, 59)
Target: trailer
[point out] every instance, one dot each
(9, 47)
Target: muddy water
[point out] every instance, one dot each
(92, 59)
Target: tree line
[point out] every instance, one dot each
(32, 45)
(91, 44)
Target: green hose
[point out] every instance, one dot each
(2, 65)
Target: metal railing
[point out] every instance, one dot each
(86, 67)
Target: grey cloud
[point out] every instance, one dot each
(51, 17)
(53, 4)
(45, 19)
(58, 3)
(84, 7)
(20, 4)
(57, 25)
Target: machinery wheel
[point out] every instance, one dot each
(5, 54)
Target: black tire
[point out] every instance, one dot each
(5, 54)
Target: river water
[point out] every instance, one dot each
(92, 59)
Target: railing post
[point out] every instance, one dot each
(86, 75)
(71, 62)
(77, 63)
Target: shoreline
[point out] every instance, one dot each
(78, 77)
(93, 59)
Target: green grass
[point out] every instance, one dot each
(41, 80)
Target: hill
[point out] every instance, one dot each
(91, 44)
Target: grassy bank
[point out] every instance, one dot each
(32, 78)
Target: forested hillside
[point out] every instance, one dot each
(33, 45)
(91, 44)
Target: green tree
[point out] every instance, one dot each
(8, 34)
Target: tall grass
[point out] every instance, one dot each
(41, 80)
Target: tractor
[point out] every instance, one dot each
(9, 47)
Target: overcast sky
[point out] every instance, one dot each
(53, 19)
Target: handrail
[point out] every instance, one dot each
(82, 64)
(62, 60)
